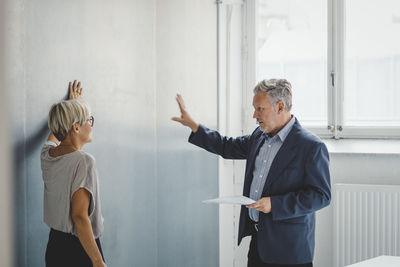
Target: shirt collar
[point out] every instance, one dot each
(283, 133)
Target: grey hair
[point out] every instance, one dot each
(276, 90)
(64, 114)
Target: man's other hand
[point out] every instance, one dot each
(263, 205)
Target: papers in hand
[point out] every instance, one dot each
(234, 200)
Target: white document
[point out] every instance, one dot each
(234, 200)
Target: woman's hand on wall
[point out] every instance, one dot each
(75, 90)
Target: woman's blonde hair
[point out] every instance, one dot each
(64, 114)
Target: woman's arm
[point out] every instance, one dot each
(80, 206)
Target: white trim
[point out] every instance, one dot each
(230, 2)
(339, 64)
(363, 146)
(340, 35)
(249, 57)
(370, 132)
(227, 16)
(320, 131)
(357, 132)
(329, 130)
(225, 234)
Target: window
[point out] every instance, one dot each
(341, 56)
(292, 43)
(372, 63)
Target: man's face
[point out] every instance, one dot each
(265, 113)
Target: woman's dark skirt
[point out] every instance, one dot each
(66, 250)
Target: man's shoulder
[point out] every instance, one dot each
(306, 137)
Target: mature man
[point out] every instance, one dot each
(287, 173)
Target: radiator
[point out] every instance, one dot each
(366, 222)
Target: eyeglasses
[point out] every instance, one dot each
(91, 121)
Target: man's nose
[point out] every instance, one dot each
(254, 115)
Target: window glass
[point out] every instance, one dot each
(292, 44)
(372, 63)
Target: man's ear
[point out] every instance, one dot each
(281, 106)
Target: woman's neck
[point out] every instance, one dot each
(70, 144)
(65, 147)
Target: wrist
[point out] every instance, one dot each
(194, 127)
(97, 260)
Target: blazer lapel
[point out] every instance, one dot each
(284, 156)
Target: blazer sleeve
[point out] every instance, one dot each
(227, 147)
(316, 193)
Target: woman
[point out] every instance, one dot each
(71, 187)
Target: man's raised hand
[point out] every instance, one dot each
(185, 118)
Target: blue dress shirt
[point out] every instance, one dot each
(263, 163)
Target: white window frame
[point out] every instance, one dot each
(335, 73)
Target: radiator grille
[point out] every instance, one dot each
(366, 222)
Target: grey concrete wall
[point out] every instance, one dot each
(109, 46)
(6, 205)
(186, 175)
(152, 181)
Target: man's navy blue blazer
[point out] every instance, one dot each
(298, 183)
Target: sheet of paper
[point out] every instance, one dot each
(234, 200)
